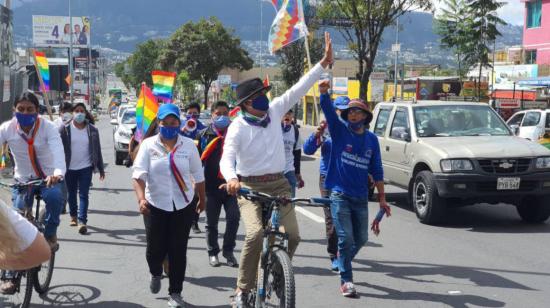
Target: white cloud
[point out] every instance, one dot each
(124, 38)
(512, 12)
(150, 33)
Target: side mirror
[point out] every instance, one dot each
(407, 137)
(114, 122)
(515, 129)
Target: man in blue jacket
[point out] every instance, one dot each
(321, 139)
(355, 152)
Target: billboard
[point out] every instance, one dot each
(6, 35)
(55, 31)
(340, 85)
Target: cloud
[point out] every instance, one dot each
(150, 33)
(124, 38)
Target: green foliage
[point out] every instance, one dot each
(293, 59)
(138, 67)
(203, 49)
(186, 87)
(368, 19)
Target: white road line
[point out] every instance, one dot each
(310, 215)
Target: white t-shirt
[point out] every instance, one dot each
(80, 149)
(289, 139)
(22, 227)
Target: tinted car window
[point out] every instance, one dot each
(531, 119)
(516, 120)
(548, 120)
(382, 122)
(400, 126)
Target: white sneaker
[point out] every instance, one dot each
(176, 301)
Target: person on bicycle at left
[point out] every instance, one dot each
(38, 153)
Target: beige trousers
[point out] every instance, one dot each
(251, 214)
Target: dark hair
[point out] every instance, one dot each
(27, 96)
(290, 111)
(219, 104)
(67, 107)
(80, 105)
(193, 106)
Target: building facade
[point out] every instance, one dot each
(536, 32)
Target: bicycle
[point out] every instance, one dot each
(38, 277)
(275, 285)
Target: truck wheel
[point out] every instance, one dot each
(533, 210)
(119, 158)
(427, 204)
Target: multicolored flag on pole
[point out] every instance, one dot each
(43, 69)
(146, 111)
(277, 4)
(289, 25)
(163, 85)
(266, 84)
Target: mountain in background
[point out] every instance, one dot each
(121, 24)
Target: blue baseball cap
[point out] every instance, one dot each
(168, 109)
(341, 102)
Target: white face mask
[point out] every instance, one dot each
(67, 116)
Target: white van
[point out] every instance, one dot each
(530, 124)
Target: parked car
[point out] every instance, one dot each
(448, 154)
(123, 134)
(530, 124)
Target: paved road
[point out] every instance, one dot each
(484, 257)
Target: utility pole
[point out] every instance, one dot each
(71, 71)
(396, 50)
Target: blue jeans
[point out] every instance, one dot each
(79, 180)
(23, 198)
(351, 220)
(293, 181)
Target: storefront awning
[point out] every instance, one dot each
(541, 81)
(518, 94)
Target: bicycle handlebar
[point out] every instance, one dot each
(34, 183)
(247, 193)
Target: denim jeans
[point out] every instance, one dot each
(332, 239)
(79, 180)
(351, 220)
(293, 181)
(52, 196)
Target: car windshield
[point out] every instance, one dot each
(457, 121)
(129, 117)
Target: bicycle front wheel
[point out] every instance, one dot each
(22, 297)
(280, 287)
(42, 275)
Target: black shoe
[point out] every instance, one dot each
(231, 260)
(214, 261)
(196, 228)
(154, 285)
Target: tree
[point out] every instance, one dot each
(483, 31)
(143, 61)
(452, 26)
(364, 22)
(186, 87)
(203, 49)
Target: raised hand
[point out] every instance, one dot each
(328, 58)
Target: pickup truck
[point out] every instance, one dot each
(448, 154)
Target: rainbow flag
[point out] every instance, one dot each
(277, 4)
(146, 111)
(289, 25)
(163, 85)
(43, 69)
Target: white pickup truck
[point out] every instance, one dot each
(457, 153)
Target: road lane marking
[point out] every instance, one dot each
(310, 215)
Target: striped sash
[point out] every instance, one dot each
(177, 175)
(32, 152)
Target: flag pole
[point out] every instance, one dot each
(44, 92)
(316, 109)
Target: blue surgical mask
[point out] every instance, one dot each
(26, 119)
(169, 132)
(286, 128)
(221, 122)
(79, 117)
(356, 126)
(261, 103)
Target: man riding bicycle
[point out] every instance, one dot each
(37, 150)
(253, 156)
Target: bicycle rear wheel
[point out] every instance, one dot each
(42, 275)
(22, 297)
(280, 288)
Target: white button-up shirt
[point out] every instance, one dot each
(152, 165)
(47, 144)
(252, 150)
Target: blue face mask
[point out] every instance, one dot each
(286, 128)
(261, 103)
(169, 132)
(80, 117)
(221, 122)
(26, 119)
(356, 126)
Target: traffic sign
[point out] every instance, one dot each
(396, 47)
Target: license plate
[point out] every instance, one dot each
(508, 183)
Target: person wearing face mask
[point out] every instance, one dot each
(210, 147)
(293, 152)
(254, 157)
(354, 153)
(65, 115)
(167, 175)
(83, 157)
(192, 113)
